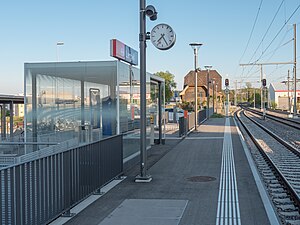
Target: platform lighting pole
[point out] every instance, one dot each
(216, 98)
(59, 43)
(195, 47)
(213, 82)
(295, 78)
(208, 68)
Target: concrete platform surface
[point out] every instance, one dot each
(205, 177)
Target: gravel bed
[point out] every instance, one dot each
(287, 162)
(289, 134)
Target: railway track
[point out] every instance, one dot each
(289, 131)
(289, 122)
(278, 166)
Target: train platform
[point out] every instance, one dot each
(206, 178)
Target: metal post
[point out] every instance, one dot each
(207, 94)
(11, 121)
(213, 96)
(254, 98)
(3, 122)
(34, 111)
(295, 78)
(195, 47)
(261, 88)
(196, 86)
(160, 85)
(143, 177)
(288, 84)
(216, 98)
(235, 92)
(81, 131)
(264, 104)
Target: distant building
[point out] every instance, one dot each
(188, 93)
(19, 110)
(278, 93)
(176, 96)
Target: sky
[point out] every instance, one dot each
(30, 30)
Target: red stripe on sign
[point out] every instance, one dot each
(114, 41)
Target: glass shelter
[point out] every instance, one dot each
(88, 101)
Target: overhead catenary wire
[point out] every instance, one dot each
(267, 30)
(251, 33)
(280, 30)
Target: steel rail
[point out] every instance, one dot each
(293, 194)
(276, 137)
(286, 121)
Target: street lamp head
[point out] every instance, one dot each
(60, 43)
(208, 67)
(195, 45)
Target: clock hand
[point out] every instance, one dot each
(165, 40)
(161, 36)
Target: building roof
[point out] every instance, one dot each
(6, 99)
(184, 90)
(189, 79)
(283, 86)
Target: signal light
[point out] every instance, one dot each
(264, 82)
(226, 82)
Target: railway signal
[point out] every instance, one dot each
(226, 82)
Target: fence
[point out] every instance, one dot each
(38, 191)
(186, 124)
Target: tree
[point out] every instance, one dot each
(170, 84)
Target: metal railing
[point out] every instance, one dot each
(38, 191)
(186, 124)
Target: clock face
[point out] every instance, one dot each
(163, 36)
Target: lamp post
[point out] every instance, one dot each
(213, 82)
(216, 98)
(59, 43)
(195, 46)
(207, 92)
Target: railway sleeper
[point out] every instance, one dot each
(282, 201)
(290, 215)
(279, 195)
(277, 190)
(287, 207)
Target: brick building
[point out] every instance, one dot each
(188, 93)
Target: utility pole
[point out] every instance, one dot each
(254, 98)
(261, 72)
(288, 84)
(295, 78)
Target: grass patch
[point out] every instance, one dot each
(217, 115)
